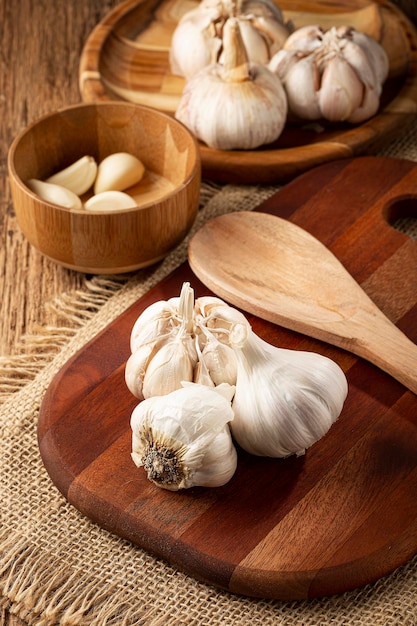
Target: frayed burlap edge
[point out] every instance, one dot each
(58, 568)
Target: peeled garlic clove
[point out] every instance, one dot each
(341, 90)
(55, 194)
(110, 201)
(183, 440)
(77, 177)
(117, 172)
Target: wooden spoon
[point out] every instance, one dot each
(276, 270)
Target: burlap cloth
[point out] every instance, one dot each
(56, 567)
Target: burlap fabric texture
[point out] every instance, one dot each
(56, 567)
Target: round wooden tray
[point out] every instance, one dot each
(126, 57)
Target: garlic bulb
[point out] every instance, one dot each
(183, 439)
(198, 38)
(234, 105)
(337, 74)
(285, 400)
(179, 340)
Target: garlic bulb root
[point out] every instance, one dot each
(183, 439)
(336, 74)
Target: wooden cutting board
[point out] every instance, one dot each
(340, 517)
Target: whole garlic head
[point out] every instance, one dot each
(197, 40)
(336, 75)
(285, 400)
(183, 440)
(234, 104)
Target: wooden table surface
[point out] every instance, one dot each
(41, 43)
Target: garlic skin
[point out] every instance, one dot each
(236, 104)
(183, 439)
(197, 40)
(285, 400)
(335, 75)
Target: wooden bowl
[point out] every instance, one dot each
(117, 241)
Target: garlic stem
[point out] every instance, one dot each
(236, 64)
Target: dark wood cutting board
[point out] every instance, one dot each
(340, 517)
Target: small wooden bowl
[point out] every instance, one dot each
(117, 241)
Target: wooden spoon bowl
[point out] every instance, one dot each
(116, 241)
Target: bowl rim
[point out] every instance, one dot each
(195, 170)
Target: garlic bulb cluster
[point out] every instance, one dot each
(181, 340)
(185, 354)
(335, 75)
(110, 178)
(183, 440)
(245, 103)
(198, 38)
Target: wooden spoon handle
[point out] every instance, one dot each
(370, 330)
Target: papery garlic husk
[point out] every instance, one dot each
(183, 439)
(336, 75)
(197, 40)
(285, 400)
(219, 359)
(235, 105)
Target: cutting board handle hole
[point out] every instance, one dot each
(401, 214)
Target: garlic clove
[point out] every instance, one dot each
(368, 107)
(171, 364)
(275, 31)
(341, 90)
(219, 463)
(305, 39)
(136, 366)
(375, 52)
(118, 172)
(254, 42)
(50, 192)
(77, 177)
(159, 312)
(110, 201)
(302, 85)
(182, 439)
(194, 44)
